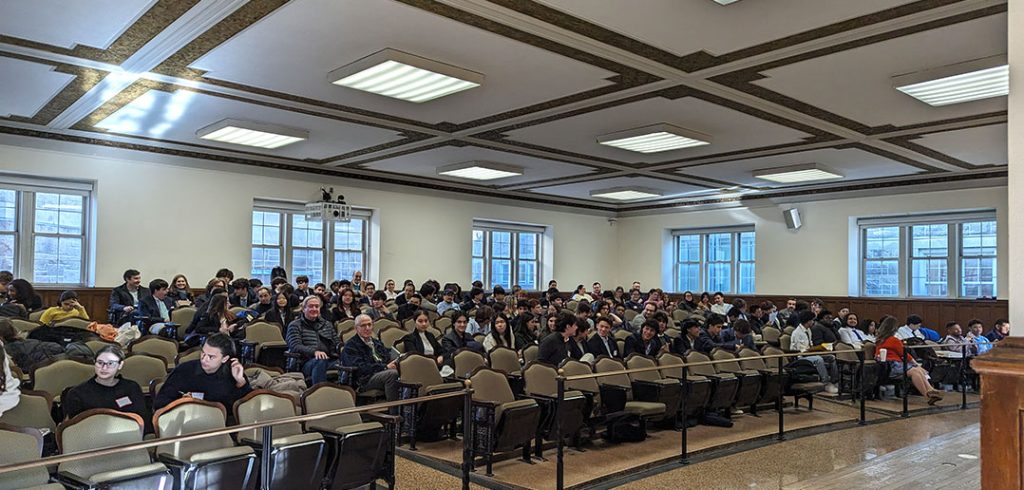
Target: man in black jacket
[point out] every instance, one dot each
(685, 342)
(603, 344)
(709, 337)
(124, 299)
(217, 376)
(314, 339)
(374, 369)
(242, 295)
(156, 307)
(554, 348)
(646, 341)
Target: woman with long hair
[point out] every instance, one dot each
(347, 308)
(21, 292)
(892, 348)
(280, 311)
(688, 303)
(421, 341)
(501, 334)
(180, 292)
(389, 289)
(217, 317)
(215, 283)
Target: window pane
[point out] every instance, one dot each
(929, 277)
(527, 246)
(719, 247)
(478, 244)
(689, 248)
(882, 243)
(978, 277)
(8, 211)
(57, 260)
(307, 262)
(349, 236)
(501, 273)
(527, 275)
(718, 276)
(266, 228)
(881, 278)
(7, 252)
(688, 277)
(745, 283)
(347, 263)
(929, 240)
(263, 260)
(501, 244)
(478, 270)
(307, 233)
(746, 247)
(979, 239)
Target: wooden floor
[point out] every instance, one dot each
(937, 464)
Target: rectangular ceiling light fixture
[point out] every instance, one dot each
(962, 82)
(248, 133)
(792, 174)
(725, 2)
(652, 139)
(404, 76)
(626, 193)
(480, 170)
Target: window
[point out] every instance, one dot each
(506, 254)
(323, 251)
(715, 260)
(44, 230)
(929, 256)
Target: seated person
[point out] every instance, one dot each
(21, 292)
(108, 389)
(212, 287)
(554, 348)
(527, 330)
(281, 311)
(635, 302)
(157, 306)
(981, 343)
(824, 331)
(501, 335)
(216, 318)
(264, 301)
(406, 310)
(374, 367)
(647, 314)
(314, 339)
(645, 342)
(742, 335)
(476, 300)
(851, 333)
(421, 341)
(447, 302)
(892, 347)
(180, 292)
(407, 292)
(911, 329)
(10, 391)
(954, 335)
(302, 287)
(710, 338)
(379, 308)
(69, 308)
(347, 308)
(578, 343)
(458, 338)
(800, 341)
(27, 353)
(481, 321)
(241, 294)
(217, 376)
(690, 335)
(999, 331)
(124, 299)
(603, 344)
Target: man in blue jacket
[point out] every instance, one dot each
(374, 368)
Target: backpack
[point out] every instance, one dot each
(62, 335)
(802, 371)
(624, 427)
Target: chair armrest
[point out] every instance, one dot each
(168, 458)
(485, 404)
(406, 384)
(73, 480)
(383, 418)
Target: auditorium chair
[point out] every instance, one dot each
(772, 382)
(358, 452)
(589, 387)
(622, 390)
(79, 323)
(155, 345)
(751, 382)
(207, 463)
(100, 428)
(506, 360)
(19, 445)
(270, 346)
(143, 368)
(571, 306)
(651, 386)
(530, 353)
(192, 354)
(34, 410)
(35, 316)
(466, 361)
(418, 375)
(771, 335)
(96, 344)
(622, 334)
(378, 325)
(795, 388)
(784, 342)
(679, 315)
(697, 388)
(391, 337)
(55, 375)
(409, 325)
(183, 317)
(570, 416)
(442, 323)
(848, 364)
(296, 457)
(501, 422)
(630, 315)
(724, 386)
(345, 328)
(24, 326)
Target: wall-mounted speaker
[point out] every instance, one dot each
(792, 218)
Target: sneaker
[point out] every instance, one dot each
(737, 411)
(831, 389)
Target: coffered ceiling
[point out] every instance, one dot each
(767, 83)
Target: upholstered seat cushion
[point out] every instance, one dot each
(665, 381)
(645, 409)
(128, 473)
(812, 387)
(512, 405)
(357, 428)
(219, 454)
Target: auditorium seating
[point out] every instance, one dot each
(650, 386)
(750, 382)
(569, 417)
(466, 361)
(621, 388)
(54, 376)
(154, 345)
(99, 428)
(698, 388)
(212, 462)
(269, 347)
(419, 376)
(20, 445)
(297, 457)
(724, 386)
(503, 423)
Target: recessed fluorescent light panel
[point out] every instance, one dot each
(962, 82)
(656, 138)
(798, 173)
(404, 76)
(725, 2)
(248, 133)
(625, 193)
(480, 170)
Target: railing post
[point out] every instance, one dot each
(860, 388)
(559, 462)
(906, 389)
(684, 389)
(963, 376)
(467, 436)
(778, 404)
(268, 447)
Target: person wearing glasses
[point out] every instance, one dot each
(108, 389)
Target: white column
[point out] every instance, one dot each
(1015, 252)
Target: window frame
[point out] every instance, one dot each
(703, 262)
(954, 223)
(286, 211)
(26, 191)
(514, 229)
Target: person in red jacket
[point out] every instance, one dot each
(893, 348)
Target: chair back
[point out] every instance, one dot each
(19, 447)
(641, 361)
(381, 324)
(845, 352)
(263, 406)
(530, 353)
(99, 428)
(345, 327)
(155, 345)
(539, 379)
(35, 316)
(466, 361)
(770, 335)
(143, 368)
(79, 323)
(609, 365)
(491, 386)
(236, 310)
(188, 416)
(724, 355)
(672, 365)
(32, 410)
(673, 332)
(630, 315)
(23, 326)
(192, 354)
(418, 369)
(784, 341)
(678, 315)
(96, 344)
(702, 370)
(183, 316)
(443, 323)
(572, 367)
(325, 397)
(869, 350)
(789, 330)
(55, 376)
(409, 325)
(391, 335)
(773, 351)
(750, 360)
(262, 332)
(621, 334)
(504, 359)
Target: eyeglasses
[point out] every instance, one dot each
(106, 364)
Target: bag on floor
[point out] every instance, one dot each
(62, 335)
(624, 427)
(715, 420)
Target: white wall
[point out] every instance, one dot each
(165, 219)
(810, 261)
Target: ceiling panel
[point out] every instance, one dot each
(177, 116)
(581, 190)
(424, 164)
(695, 25)
(300, 43)
(64, 23)
(729, 129)
(986, 145)
(856, 83)
(852, 163)
(27, 86)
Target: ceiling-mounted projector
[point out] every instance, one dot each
(328, 208)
